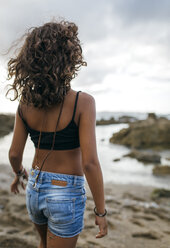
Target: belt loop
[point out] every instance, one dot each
(75, 180)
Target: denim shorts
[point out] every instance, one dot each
(58, 200)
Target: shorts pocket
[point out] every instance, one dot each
(61, 211)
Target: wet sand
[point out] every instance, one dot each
(134, 219)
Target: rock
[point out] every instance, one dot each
(106, 122)
(131, 205)
(145, 217)
(146, 157)
(6, 124)
(136, 222)
(112, 199)
(1, 206)
(157, 193)
(146, 234)
(12, 231)
(120, 135)
(134, 197)
(116, 159)
(91, 244)
(126, 119)
(152, 115)
(161, 170)
(167, 231)
(14, 242)
(88, 226)
(113, 211)
(150, 133)
(162, 213)
(121, 119)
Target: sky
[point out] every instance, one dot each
(126, 44)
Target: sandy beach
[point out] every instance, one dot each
(134, 219)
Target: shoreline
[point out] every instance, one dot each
(134, 219)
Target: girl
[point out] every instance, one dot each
(61, 124)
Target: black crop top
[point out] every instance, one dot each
(65, 139)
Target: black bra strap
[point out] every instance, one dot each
(75, 105)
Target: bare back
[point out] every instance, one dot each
(72, 161)
(59, 161)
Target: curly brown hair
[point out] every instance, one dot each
(46, 63)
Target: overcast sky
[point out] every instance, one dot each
(126, 44)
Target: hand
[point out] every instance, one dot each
(17, 181)
(102, 222)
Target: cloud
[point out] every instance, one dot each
(88, 15)
(122, 40)
(135, 11)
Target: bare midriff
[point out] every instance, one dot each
(60, 161)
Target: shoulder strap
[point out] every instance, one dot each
(75, 105)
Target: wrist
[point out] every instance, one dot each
(20, 172)
(101, 214)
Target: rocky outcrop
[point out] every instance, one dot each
(6, 124)
(106, 122)
(121, 119)
(127, 119)
(157, 193)
(150, 133)
(161, 170)
(145, 157)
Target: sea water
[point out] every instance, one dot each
(127, 170)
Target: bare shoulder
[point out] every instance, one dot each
(86, 98)
(87, 106)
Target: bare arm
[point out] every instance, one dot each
(90, 161)
(16, 151)
(18, 143)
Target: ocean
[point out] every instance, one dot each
(127, 170)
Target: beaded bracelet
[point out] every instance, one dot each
(101, 215)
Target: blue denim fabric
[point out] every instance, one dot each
(61, 207)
